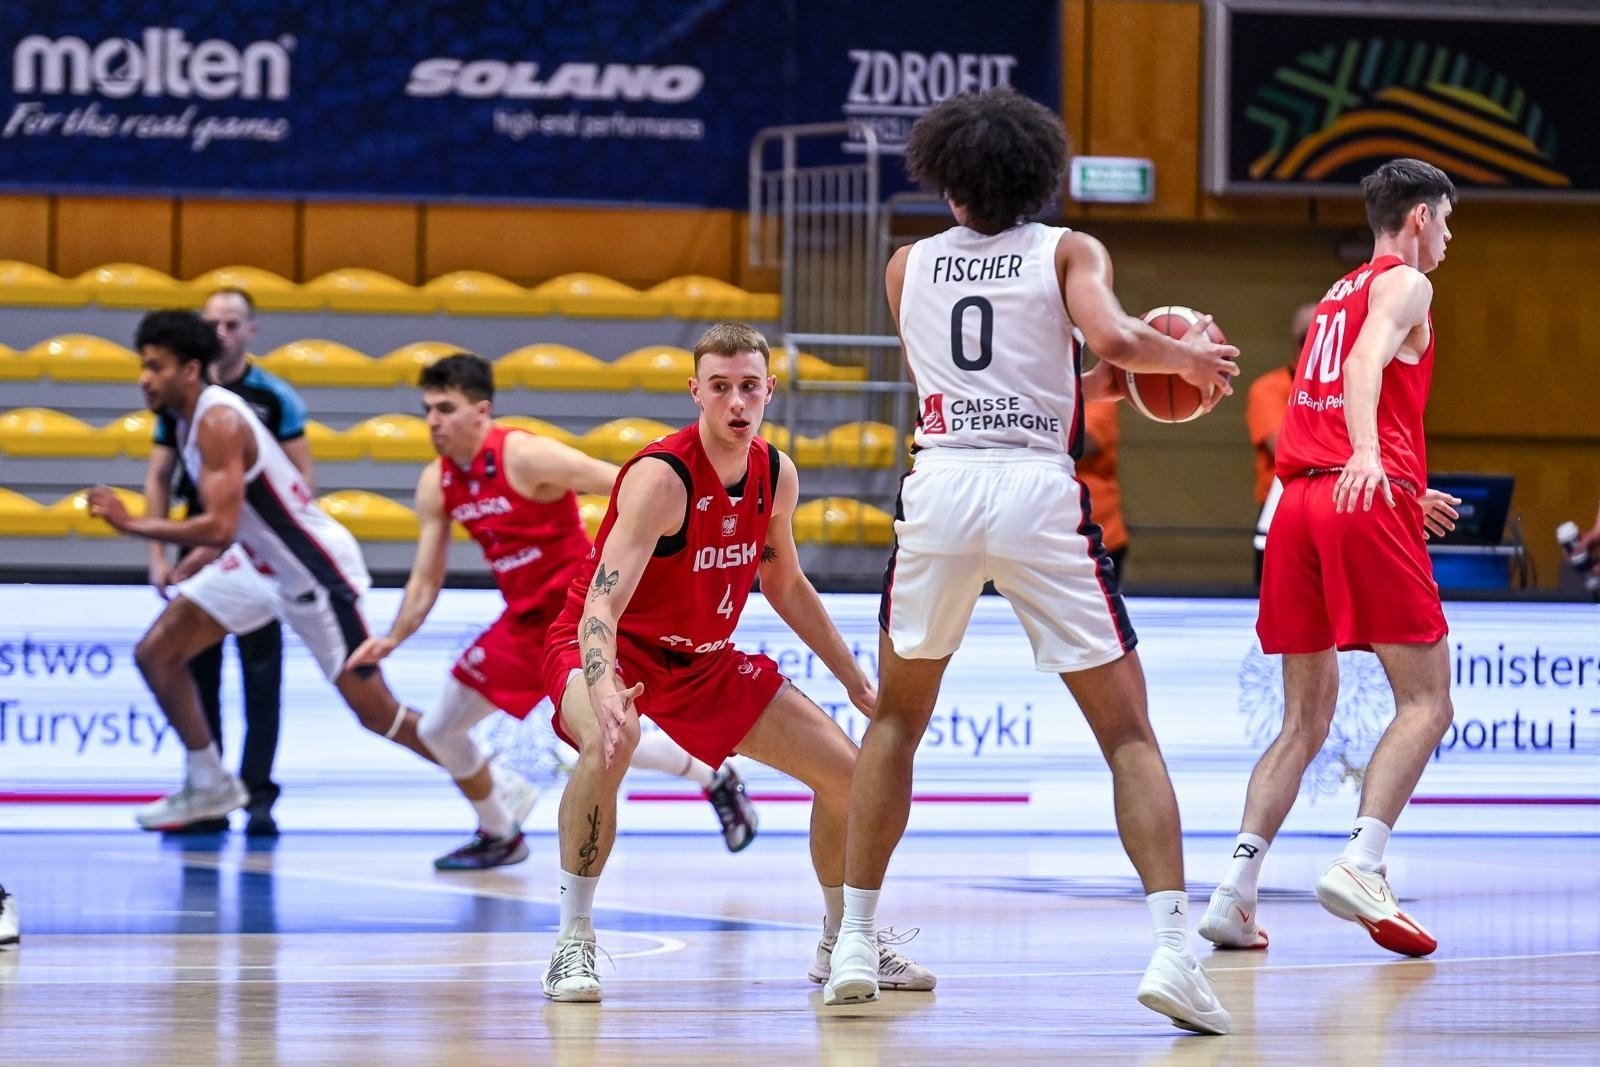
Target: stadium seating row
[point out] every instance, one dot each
(43, 433)
(357, 289)
(655, 368)
(371, 517)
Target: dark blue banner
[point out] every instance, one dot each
(601, 101)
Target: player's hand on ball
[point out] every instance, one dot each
(1439, 513)
(1213, 368)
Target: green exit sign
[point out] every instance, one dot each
(1112, 180)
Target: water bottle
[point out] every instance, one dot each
(1582, 560)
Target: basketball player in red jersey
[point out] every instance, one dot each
(1346, 565)
(516, 494)
(694, 519)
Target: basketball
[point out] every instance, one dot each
(1167, 397)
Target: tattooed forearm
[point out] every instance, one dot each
(604, 582)
(593, 627)
(769, 554)
(594, 666)
(589, 851)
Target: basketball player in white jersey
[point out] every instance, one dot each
(257, 503)
(986, 312)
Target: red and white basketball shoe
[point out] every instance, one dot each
(1365, 897)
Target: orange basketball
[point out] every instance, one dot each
(1167, 397)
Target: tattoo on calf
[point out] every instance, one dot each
(589, 851)
(604, 582)
(594, 666)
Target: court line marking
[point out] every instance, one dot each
(438, 888)
(100, 978)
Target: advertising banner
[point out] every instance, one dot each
(1007, 750)
(653, 102)
(1310, 97)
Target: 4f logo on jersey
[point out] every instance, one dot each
(730, 525)
(703, 504)
(933, 414)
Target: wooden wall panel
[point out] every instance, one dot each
(25, 229)
(640, 246)
(378, 236)
(95, 230)
(226, 233)
(1144, 100)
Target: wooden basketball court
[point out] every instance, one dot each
(350, 949)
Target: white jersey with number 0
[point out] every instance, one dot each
(989, 341)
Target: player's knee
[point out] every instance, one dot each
(155, 657)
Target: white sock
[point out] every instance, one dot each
(860, 910)
(577, 906)
(833, 902)
(1367, 842)
(658, 752)
(493, 818)
(1244, 874)
(1169, 913)
(204, 769)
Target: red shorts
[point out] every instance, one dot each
(707, 703)
(504, 664)
(1346, 581)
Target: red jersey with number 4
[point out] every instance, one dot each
(531, 547)
(1314, 435)
(695, 585)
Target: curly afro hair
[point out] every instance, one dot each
(998, 154)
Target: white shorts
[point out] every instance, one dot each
(1021, 520)
(242, 600)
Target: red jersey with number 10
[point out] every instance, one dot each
(531, 547)
(696, 583)
(1314, 434)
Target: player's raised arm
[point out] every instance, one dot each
(1398, 303)
(795, 599)
(1120, 338)
(427, 572)
(651, 503)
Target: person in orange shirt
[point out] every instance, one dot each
(1097, 470)
(1263, 414)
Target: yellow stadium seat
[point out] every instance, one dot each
(360, 289)
(329, 445)
(407, 361)
(694, 296)
(558, 367)
(776, 434)
(317, 362)
(594, 296)
(619, 439)
(131, 434)
(540, 427)
(838, 520)
(659, 368)
(395, 438)
(25, 284)
(860, 444)
(80, 357)
(371, 517)
(42, 432)
(272, 292)
(22, 517)
(592, 509)
(474, 292)
(813, 369)
(128, 285)
(75, 509)
(19, 366)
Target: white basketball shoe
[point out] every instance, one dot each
(1365, 897)
(191, 804)
(1230, 921)
(853, 970)
(10, 928)
(896, 971)
(1176, 986)
(572, 976)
